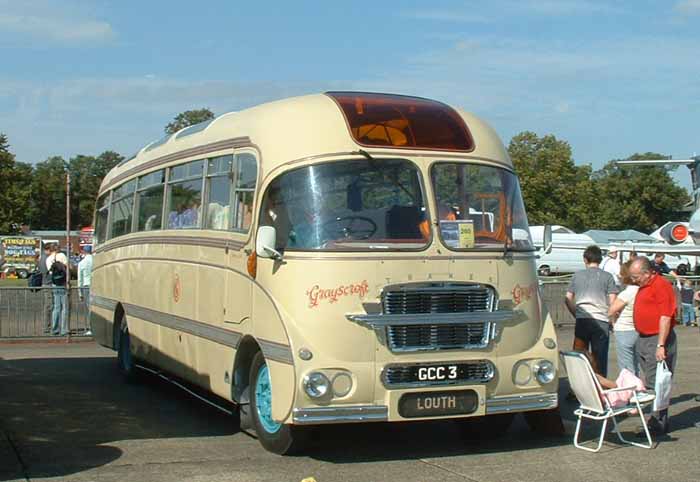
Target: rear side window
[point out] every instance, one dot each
(102, 218)
(185, 196)
(149, 201)
(122, 209)
(219, 174)
(244, 189)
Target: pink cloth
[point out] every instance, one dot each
(625, 379)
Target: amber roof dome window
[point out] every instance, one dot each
(399, 121)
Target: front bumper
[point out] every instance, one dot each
(380, 413)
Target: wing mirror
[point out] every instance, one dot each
(547, 239)
(265, 243)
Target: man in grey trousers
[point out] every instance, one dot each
(654, 319)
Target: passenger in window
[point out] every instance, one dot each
(190, 216)
(275, 214)
(447, 213)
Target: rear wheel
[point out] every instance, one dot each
(488, 427)
(273, 436)
(125, 357)
(22, 274)
(544, 271)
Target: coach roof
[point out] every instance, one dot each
(292, 129)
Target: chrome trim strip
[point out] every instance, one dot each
(179, 323)
(272, 350)
(101, 302)
(349, 414)
(276, 351)
(236, 142)
(208, 242)
(521, 403)
(380, 321)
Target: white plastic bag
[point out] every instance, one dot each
(662, 387)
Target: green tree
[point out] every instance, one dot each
(87, 173)
(555, 190)
(49, 194)
(15, 179)
(188, 118)
(638, 197)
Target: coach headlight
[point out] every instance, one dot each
(316, 385)
(544, 371)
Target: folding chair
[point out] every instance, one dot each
(595, 404)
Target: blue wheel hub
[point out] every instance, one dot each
(263, 401)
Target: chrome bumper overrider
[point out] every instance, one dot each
(521, 403)
(349, 414)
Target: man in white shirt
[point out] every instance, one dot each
(84, 278)
(611, 264)
(58, 275)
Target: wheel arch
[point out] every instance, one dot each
(247, 348)
(119, 313)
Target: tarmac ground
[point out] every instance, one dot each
(65, 414)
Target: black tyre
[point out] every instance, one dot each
(544, 271)
(488, 427)
(125, 357)
(275, 437)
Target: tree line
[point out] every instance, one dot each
(555, 189)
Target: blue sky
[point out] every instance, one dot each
(611, 78)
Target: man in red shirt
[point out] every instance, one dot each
(654, 319)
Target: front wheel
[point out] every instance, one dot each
(275, 437)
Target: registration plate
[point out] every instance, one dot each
(438, 404)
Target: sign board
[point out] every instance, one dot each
(19, 250)
(458, 234)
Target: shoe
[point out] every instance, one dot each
(571, 396)
(697, 424)
(697, 398)
(656, 427)
(88, 333)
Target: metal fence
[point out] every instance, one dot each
(26, 312)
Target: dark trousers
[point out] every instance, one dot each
(595, 333)
(646, 346)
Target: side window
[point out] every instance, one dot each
(218, 205)
(246, 170)
(149, 201)
(122, 209)
(101, 218)
(185, 195)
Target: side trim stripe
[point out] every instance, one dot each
(276, 352)
(179, 323)
(272, 350)
(101, 302)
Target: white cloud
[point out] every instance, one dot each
(445, 16)
(688, 7)
(47, 21)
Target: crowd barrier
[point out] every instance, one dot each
(26, 312)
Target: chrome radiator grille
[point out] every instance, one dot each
(438, 337)
(438, 298)
(453, 299)
(470, 372)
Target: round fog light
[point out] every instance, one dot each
(544, 371)
(342, 384)
(316, 384)
(522, 373)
